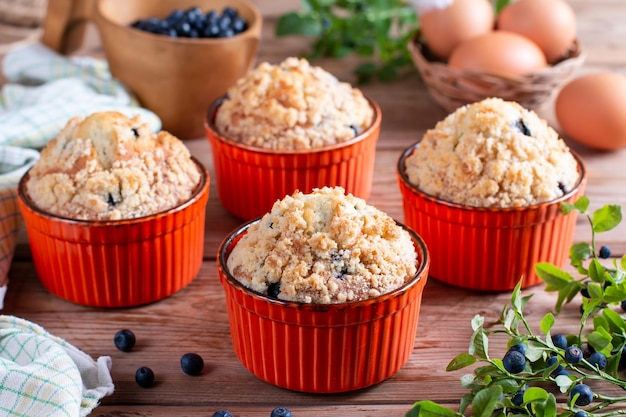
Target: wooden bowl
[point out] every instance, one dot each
(177, 78)
(323, 348)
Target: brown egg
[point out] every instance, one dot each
(591, 110)
(498, 52)
(551, 24)
(444, 28)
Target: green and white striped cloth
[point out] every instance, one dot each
(46, 89)
(43, 375)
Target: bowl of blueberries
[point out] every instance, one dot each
(179, 56)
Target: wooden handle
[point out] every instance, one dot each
(65, 23)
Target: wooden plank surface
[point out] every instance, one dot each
(194, 320)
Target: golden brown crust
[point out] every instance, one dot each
(109, 167)
(292, 105)
(324, 247)
(493, 154)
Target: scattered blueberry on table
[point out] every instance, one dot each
(144, 377)
(194, 23)
(124, 340)
(222, 413)
(280, 412)
(192, 363)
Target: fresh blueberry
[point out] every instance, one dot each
(580, 414)
(598, 359)
(229, 11)
(124, 340)
(573, 354)
(239, 24)
(211, 30)
(192, 363)
(281, 412)
(518, 398)
(560, 371)
(222, 413)
(550, 362)
(559, 340)
(585, 395)
(604, 252)
(144, 377)
(623, 305)
(514, 361)
(520, 347)
(584, 291)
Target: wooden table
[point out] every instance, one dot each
(194, 319)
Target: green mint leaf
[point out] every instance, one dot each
(606, 218)
(546, 323)
(485, 401)
(461, 361)
(298, 24)
(430, 409)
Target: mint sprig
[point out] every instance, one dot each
(549, 385)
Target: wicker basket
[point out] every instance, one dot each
(452, 87)
(28, 13)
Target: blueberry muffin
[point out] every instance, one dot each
(324, 247)
(493, 153)
(292, 106)
(110, 167)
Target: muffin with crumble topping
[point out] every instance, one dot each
(290, 126)
(108, 206)
(317, 284)
(490, 178)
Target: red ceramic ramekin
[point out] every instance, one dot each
(323, 348)
(250, 179)
(489, 249)
(119, 263)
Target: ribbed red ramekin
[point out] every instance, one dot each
(250, 179)
(323, 348)
(489, 248)
(119, 263)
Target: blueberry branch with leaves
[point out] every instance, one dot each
(518, 383)
(376, 29)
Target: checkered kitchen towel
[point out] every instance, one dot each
(42, 375)
(14, 162)
(46, 89)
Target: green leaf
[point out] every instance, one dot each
(461, 361)
(615, 321)
(606, 218)
(485, 401)
(546, 323)
(563, 382)
(600, 340)
(479, 343)
(535, 394)
(430, 409)
(579, 252)
(596, 271)
(500, 4)
(298, 24)
(553, 276)
(477, 322)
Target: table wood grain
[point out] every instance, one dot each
(195, 320)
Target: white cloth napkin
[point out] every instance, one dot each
(43, 375)
(46, 89)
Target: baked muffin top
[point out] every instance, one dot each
(493, 153)
(109, 167)
(324, 247)
(292, 105)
